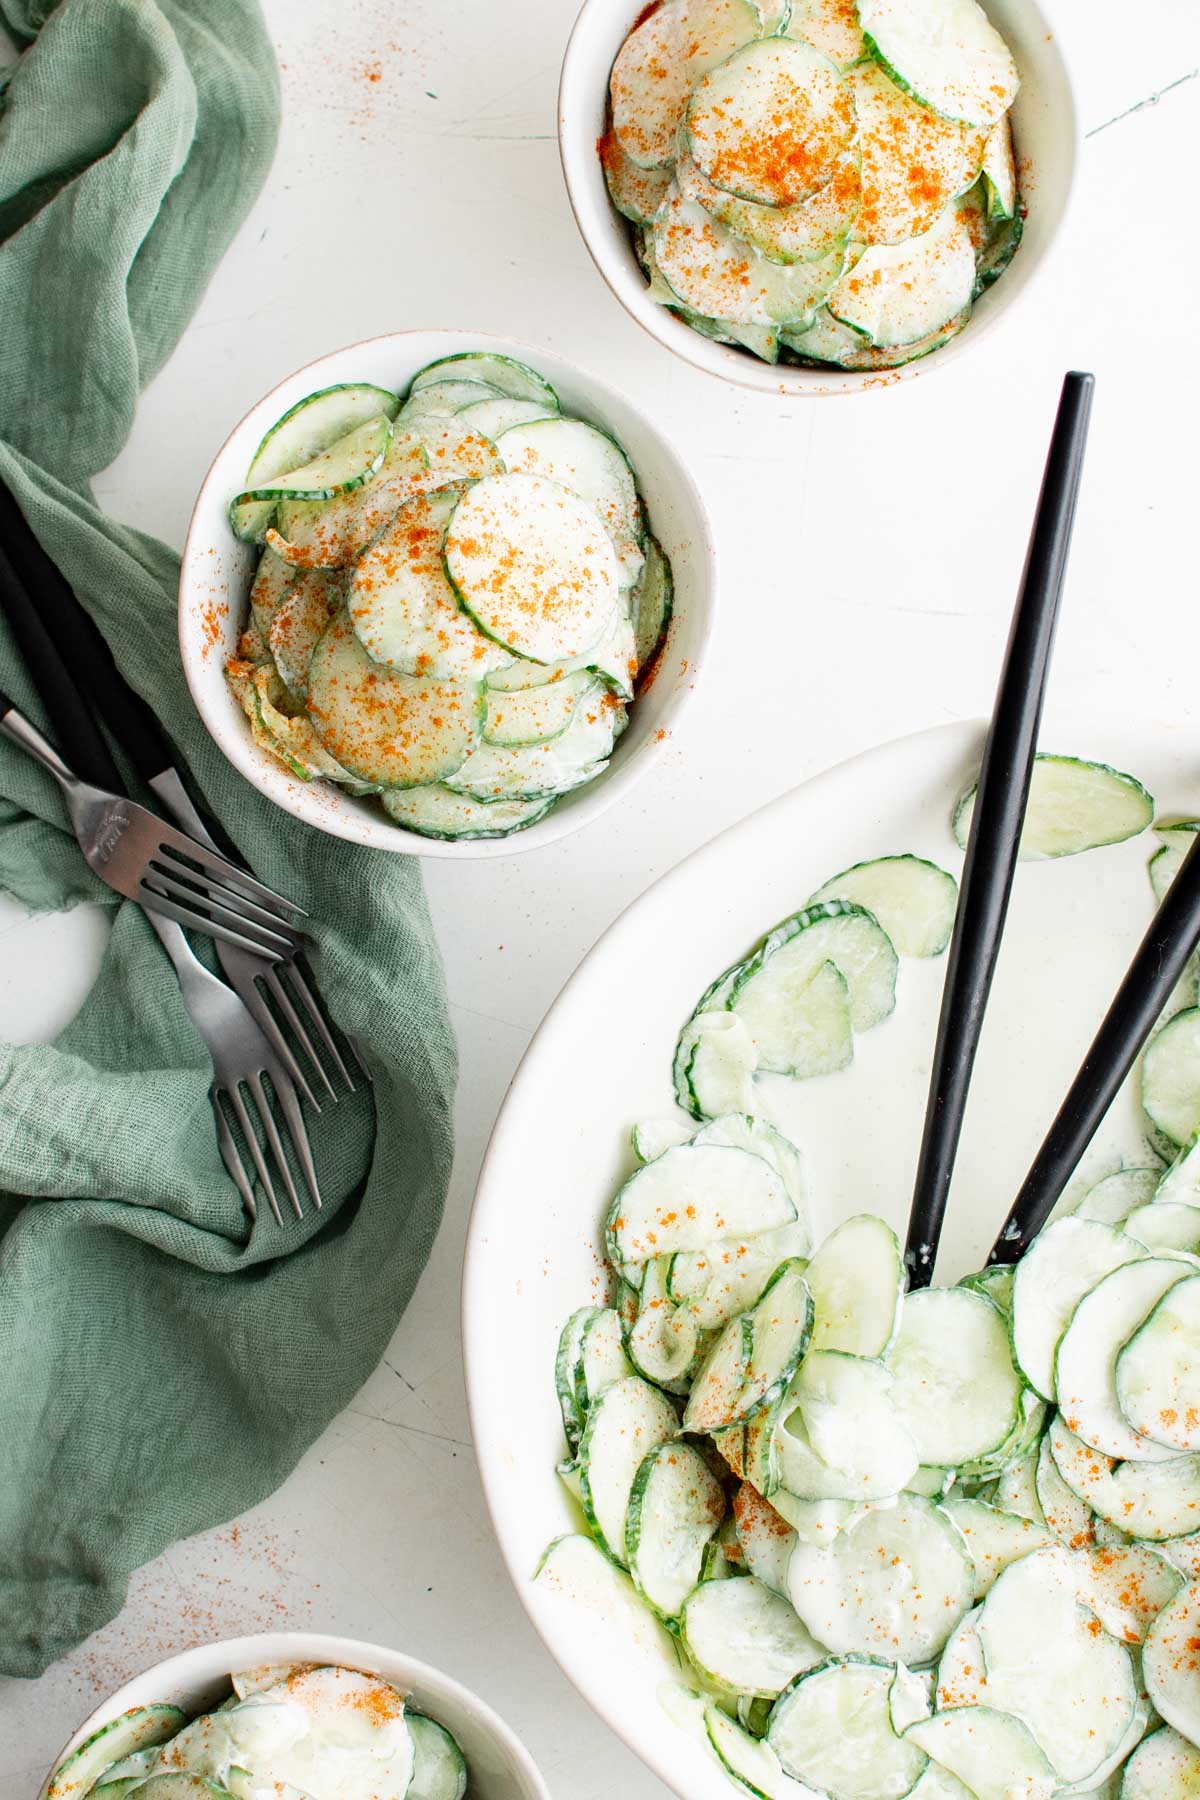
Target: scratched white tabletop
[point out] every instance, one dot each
(870, 550)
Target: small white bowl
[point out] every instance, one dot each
(1045, 133)
(500, 1767)
(215, 579)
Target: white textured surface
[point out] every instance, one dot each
(870, 549)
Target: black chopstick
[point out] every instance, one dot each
(1137, 1005)
(1000, 801)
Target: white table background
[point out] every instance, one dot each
(870, 549)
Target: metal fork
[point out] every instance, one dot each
(140, 856)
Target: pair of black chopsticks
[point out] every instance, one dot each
(992, 847)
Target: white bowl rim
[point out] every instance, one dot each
(786, 381)
(587, 803)
(308, 1646)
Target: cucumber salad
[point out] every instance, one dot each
(942, 1544)
(285, 1732)
(457, 596)
(817, 181)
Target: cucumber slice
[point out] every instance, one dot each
(299, 622)
(513, 720)
(566, 1362)
(504, 373)
(1025, 1437)
(1171, 1664)
(913, 900)
(996, 1282)
(456, 451)
(182, 1785)
(945, 53)
(636, 192)
(741, 1635)
(272, 583)
(992, 1753)
(339, 469)
(1061, 1266)
(329, 534)
(694, 1196)
(1151, 1501)
(730, 1276)
(492, 417)
(838, 1436)
(830, 26)
(439, 1766)
(825, 339)
(401, 605)
(664, 1340)
(961, 1675)
(532, 565)
(397, 730)
(1072, 1685)
(833, 1730)
(1086, 1361)
(768, 991)
(675, 1507)
(1069, 1518)
(718, 1068)
(1112, 1200)
(766, 1537)
(652, 602)
(1016, 1488)
(543, 771)
(955, 1388)
(783, 234)
(717, 1390)
(1166, 1225)
(1171, 1078)
(893, 1583)
(764, 1140)
(913, 162)
(628, 1419)
(578, 1571)
(601, 1358)
(292, 738)
(1126, 1586)
(436, 812)
(1163, 1767)
(718, 275)
(756, 1355)
(138, 1729)
(1158, 1369)
(650, 1137)
(910, 1697)
(857, 1282)
(897, 294)
(770, 122)
(994, 1538)
(659, 64)
(752, 1765)
(446, 397)
(592, 466)
(1183, 1553)
(1073, 806)
(939, 1784)
(999, 171)
(305, 430)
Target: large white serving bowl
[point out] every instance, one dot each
(1045, 132)
(500, 1767)
(215, 578)
(602, 1058)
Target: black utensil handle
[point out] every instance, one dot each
(75, 731)
(1000, 801)
(1137, 1005)
(81, 644)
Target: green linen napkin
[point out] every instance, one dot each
(162, 1364)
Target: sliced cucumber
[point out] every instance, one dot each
(601, 1358)
(303, 432)
(1073, 806)
(718, 275)
(138, 1729)
(1112, 1200)
(533, 566)
(1171, 1662)
(341, 469)
(542, 771)
(1165, 1766)
(272, 583)
(439, 1767)
(721, 1380)
(397, 730)
(291, 736)
(659, 64)
(1069, 1518)
(1183, 1553)
(994, 1538)
(329, 534)
(897, 294)
(504, 373)
(857, 1282)
(999, 171)
(650, 1137)
(955, 1388)
(1166, 1225)
(446, 397)
(575, 1568)
(752, 1765)
(1126, 1586)
(664, 1341)
(783, 234)
(992, 1753)
(591, 465)
(746, 1638)
(766, 1537)
(996, 1282)
(1158, 1369)
(652, 602)
(894, 1582)
(832, 1729)
(1016, 1488)
(675, 1507)
(694, 1196)
(1171, 1078)
(518, 718)
(946, 53)
(566, 1362)
(492, 417)
(1086, 1361)
(910, 1697)
(838, 1436)
(634, 191)
(719, 1066)
(456, 452)
(1061, 1266)
(628, 1419)
(769, 991)
(182, 1785)
(913, 900)
(770, 122)
(1151, 1501)
(913, 162)
(756, 1355)
(298, 624)
(831, 26)
(436, 812)
(756, 1135)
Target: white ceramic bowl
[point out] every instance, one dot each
(215, 578)
(1045, 131)
(500, 1766)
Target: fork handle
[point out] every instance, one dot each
(16, 727)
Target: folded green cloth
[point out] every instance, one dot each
(162, 1364)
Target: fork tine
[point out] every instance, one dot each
(218, 868)
(264, 1018)
(227, 1145)
(290, 1107)
(253, 938)
(189, 884)
(243, 1119)
(284, 1002)
(314, 1006)
(254, 1083)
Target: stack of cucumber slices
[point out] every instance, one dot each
(817, 181)
(457, 594)
(942, 1544)
(285, 1732)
